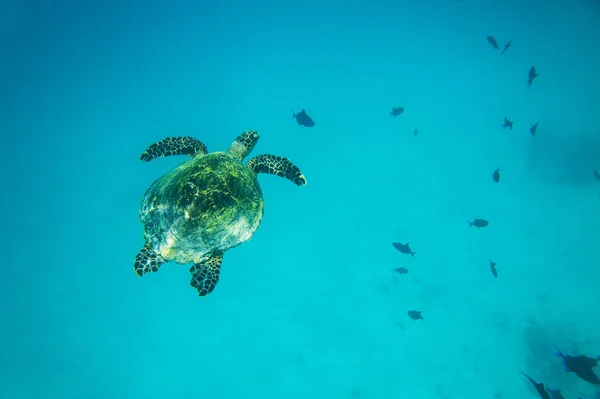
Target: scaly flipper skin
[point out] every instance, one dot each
(278, 166)
(205, 276)
(174, 146)
(147, 260)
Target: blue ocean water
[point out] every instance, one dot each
(309, 307)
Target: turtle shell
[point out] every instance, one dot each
(212, 202)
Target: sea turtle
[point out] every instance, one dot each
(205, 206)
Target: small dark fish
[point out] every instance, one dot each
(581, 365)
(303, 119)
(496, 175)
(507, 124)
(404, 248)
(571, 362)
(415, 315)
(532, 75)
(396, 111)
(415, 132)
(400, 270)
(596, 174)
(493, 42)
(506, 46)
(493, 268)
(479, 223)
(539, 387)
(533, 129)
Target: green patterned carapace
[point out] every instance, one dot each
(205, 206)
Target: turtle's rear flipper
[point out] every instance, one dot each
(174, 146)
(205, 275)
(147, 261)
(278, 166)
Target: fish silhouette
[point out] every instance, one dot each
(581, 366)
(493, 269)
(404, 248)
(400, 270)
(539, 387)
(493, 42)
(533, 129)
(479, 223)
(396, 111)
(507, 124)
(496, 175)
(416, 315)
(303, 119)
(532, 75)
(506, 46)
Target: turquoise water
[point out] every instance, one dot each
(309, 307)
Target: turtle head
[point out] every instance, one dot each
(244, 144)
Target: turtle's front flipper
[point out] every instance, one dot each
(174, 146)
(147, 260)
(205, 275)
(276, 165)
